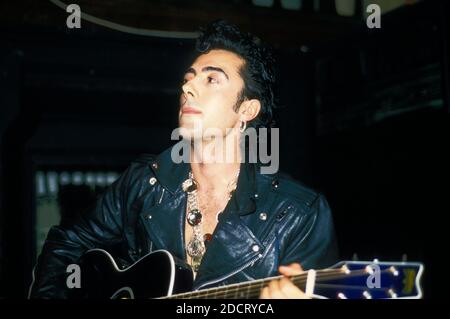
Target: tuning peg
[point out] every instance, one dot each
(392, 293)
(345, 269)
(404, 257)
(393, 270)
(367, 295)
(369, 270)
(341, 296)
(355, 257)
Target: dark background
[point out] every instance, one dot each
(365, 117)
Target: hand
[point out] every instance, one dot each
(284, 288)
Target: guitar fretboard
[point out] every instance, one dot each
(252, 289)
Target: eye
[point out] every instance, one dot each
(212, 80)
(184, 81)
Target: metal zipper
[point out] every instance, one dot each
(251, 262)
(162, 195)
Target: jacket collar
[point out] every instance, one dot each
(243, 200)
(171, 175)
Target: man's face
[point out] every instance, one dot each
(210, 91)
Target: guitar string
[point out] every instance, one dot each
(256, 293)
(258, 285)
(265, 280)
(299, 280)
(302, 281)
(350, 287)
(253, 288)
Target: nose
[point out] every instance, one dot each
(188, 89)
(183, 99)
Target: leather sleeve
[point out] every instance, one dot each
(313, 242)
(99, 226)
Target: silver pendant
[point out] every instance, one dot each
(189, 185)
(196, 247)
(194, 217)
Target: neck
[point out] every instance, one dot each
(216, 161)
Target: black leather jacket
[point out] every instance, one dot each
(270, 220)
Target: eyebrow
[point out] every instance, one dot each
(208, 68)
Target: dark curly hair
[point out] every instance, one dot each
(257, 71)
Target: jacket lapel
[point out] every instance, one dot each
(233, 247)
(165, 224)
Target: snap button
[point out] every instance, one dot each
(275, 183)
(256, 195)
(263, 216)
(152, 181)
(255, 248)
(149, 216)
(155, 165)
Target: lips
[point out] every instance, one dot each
(186, 106)
(190, 110)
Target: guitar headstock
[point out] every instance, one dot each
(371, 280)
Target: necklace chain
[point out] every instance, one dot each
(196, 247)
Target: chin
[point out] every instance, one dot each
(190, 132)
(190, 123)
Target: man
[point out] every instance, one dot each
(229, 221)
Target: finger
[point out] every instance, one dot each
(290, 290)
(291, 270)
(297, 266)
(264, 293)
(275, 290)
(273, 285)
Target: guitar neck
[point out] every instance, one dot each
(252, 289)
(344, 280)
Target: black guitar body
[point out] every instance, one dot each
(157, 274)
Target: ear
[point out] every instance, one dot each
(249, 110)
